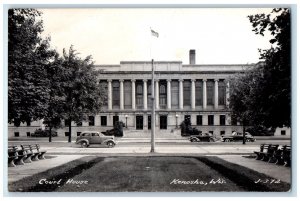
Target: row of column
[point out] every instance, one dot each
(145, 98)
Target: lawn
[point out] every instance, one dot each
(148, 174)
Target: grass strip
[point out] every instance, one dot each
(64, 172)
(244, 176)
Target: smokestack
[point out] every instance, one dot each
(192, 57)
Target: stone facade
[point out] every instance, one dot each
(199, 91)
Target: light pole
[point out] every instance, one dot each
(176, 120)
(153, 111)
(126, 116)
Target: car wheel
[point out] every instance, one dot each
(227, 140)
(248, 140)
(193, 140)
(84, 144)
(110, 144)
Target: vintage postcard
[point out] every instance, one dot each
(149, 99)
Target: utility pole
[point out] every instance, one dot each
(153, 112)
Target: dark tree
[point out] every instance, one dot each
(56, 101)
(262, 95)
(82, 90)
(28, 54)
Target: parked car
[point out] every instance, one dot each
(202, 137)
(87, 138)
(238, 137)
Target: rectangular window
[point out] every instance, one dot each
(78, 133)
(283, 132)
(115, 119)
(79, 123)
(149, 94)
(127, 95)
(139, 95)
(28, 123)
(91, 121)
(28, 134)
(139, 122)
(66, 134)
(149, 122)
(163, 120)
(210, 120)
(104, 90)
(210, 92)
(222, 92)
(162, 94)
(199, 92)
(199, 120)
(175, 94)
(17, 134)
(211, 132)
(103, 121)
(222, 120)
(186, 93)
(222, 133)
(116, 93)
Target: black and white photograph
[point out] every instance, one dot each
(149, 99)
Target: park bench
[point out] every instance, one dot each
(15, 156)
(41, 155)
(12, 156)
(34, 153)
(28, 153)
(283, 156)
(266, 152)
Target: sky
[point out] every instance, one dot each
(219, 35)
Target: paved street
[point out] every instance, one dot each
(142, 146)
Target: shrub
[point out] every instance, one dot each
(43, 133)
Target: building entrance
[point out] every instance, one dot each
(139, 122)
(163, 120)
(149, 122)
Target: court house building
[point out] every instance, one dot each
(198, 92)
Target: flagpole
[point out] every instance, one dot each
(153, 112)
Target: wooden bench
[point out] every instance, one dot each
(28, 153)
(34, 153)
(283, 156)
(12, 156)
(41, 155)
(266, 152)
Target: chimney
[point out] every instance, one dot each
(192, 57)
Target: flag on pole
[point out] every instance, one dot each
(154, 33)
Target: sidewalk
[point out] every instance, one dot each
(144, 149)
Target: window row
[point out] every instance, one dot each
(139, 89)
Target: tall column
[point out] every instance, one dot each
(157, 93)
(133, 93)
(109, 95)
(204, 94)
(121, 94)
(193, 93)
(216, 94)
(145, 94)
(180, 94)
(227, 94)
(169, 94)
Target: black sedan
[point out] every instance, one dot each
(202, 137)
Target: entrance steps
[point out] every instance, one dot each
(163, 134)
